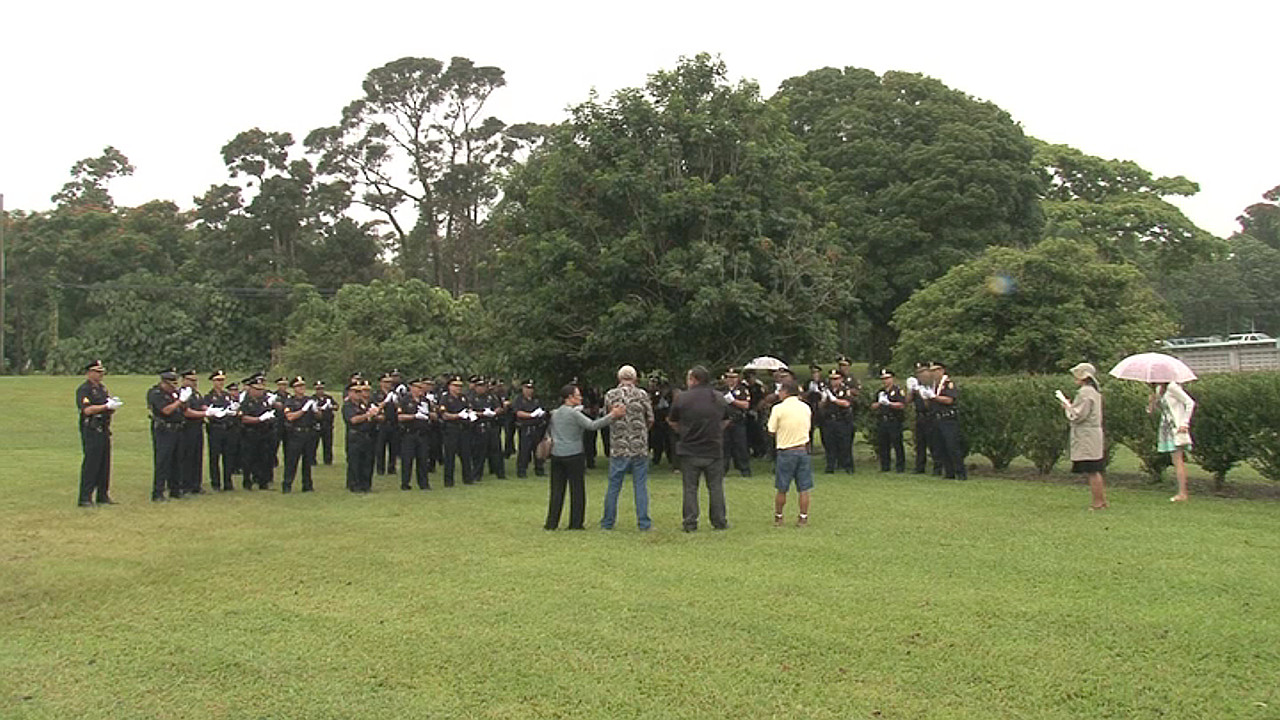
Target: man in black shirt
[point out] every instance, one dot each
(456, 416)
(300, 439)
(222, 409)
(191, 443)
(326, 408)
(415, 416)
(837, 423)
(96, 407)
(890, 410)
(487, 438)
(698, 416)
(738, 399)
(359, 417)
(531, 424)
(257, 436)
(166, 429)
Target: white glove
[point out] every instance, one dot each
(309, 406)
(268, 415)
(424, 409)
(214, 412)
(240, 399)
(537, 413)
(401, 389)
(927, 393)
(883, 398)
(912, 383)
(828, 396)
(422, 415)
(431, 397)
(233, 407)
(113, 403)
(728, 397)
(184, 394)
(488, 412)
(271, 398)
(328, 404)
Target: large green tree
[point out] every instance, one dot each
(669, 224)
(922, 178)
(1037, 310)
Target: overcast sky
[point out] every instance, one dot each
(1180, 91)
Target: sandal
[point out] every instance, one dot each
(777, 519)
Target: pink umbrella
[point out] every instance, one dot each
(1153, 368)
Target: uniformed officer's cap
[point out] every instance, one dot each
(428, 380)
(354, 377)
(842, 360)
(731, 372)
(95, 366)
(171, 375)
(189, 374)
(475, 380)
(257, 381)
(815, 366)
(218, 375)
(922, 366)
(282, 380)
(885, 373)
(420, 381)
(835, 374)
(384, 377)
(527, 383)
(298, 380)
(482, 380)
(937, 366)
(394, 373)
(319, 383)
(233, 387)
(455, 379)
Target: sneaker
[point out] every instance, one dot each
(802, 521)
(777, 519)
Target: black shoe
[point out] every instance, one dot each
(107, 501)
(540, 473)
(501, 477)
(248, 486)
(425, 487)
(405, 487)
(522, 474)
(177, 495)
(286, 489)
(308, 488)
(469, 482)
(228, 487)
(197, 491)
(159, 498)
(448, 484)
(85, 503)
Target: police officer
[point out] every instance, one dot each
(235, 430)
(279, 437)
(943, 399)
(456, 416)
(257, 434)
(415, 415)
(813, 392)
(487, 436)
(502, 390)
(384, 458)
(300, 440)
(191, 442)
(531, 424)
(166, 430)
(837, 425)
(360, 417)
(738, 399)
(435, 451)
(325, 408)
(223, 410)
(923, 435)
(890, 408)
(96, 406)
(660, 433)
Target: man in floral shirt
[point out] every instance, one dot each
(629, 448)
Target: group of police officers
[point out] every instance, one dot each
(472, 424)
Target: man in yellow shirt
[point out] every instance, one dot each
(789, 423)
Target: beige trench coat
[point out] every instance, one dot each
(1085, 415)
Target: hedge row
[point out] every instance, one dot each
(1237, 419)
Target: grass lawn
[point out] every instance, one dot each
(907, 597)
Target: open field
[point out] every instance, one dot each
(907, 597)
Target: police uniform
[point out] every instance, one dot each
(166, 431)
(923, 434)
(385, 439)
(325, 409)
(530, 431)
(279, 437)
(300, 437)
(416, 417)
(487, 434)
(455, 416)
(837, 426)
(813, 393)
(95, 437)
(221, 434)
(191, 443)
(889, 424)
(257, 436)
(359, 438)
(660, 434)
(951, 442)
(735, 433)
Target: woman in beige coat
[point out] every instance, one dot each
(1088, 452)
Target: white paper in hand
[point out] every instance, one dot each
(1061, 397)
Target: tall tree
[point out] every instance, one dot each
(89, 178)
(922, 178)
(1261, 221)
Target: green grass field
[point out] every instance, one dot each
(907, 597)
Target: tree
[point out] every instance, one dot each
(1121, 209)
(922, 178)
(667, 225)
(1261, 221)
(89, 178)
(1037, 310)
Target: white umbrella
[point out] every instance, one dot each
(1153, 368)
(766, 362)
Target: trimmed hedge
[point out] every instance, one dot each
(1237, 419)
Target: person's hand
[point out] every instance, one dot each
(618, 410)
(268, 415)
(1062, 398)
(184, 394)
(113, 403)
(233, 407)
(309, 406)
(488, 412)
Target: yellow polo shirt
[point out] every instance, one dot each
(789, 422)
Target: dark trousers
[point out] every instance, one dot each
(414, 452)
(530, 436)
(952, 446)
(256, 448)
(837, 439)
(360, 461)
(589, 446)
(509, 434)
(568, 471)
(191, 458)
(300, 448)
(692, 469)
(326, 441)
(604, 441)
(735, 447)
(457, 448)
(166, 462)
(660, 442)
(220, 463)
(924, 442)
(435, 447)
(486, 445)
(386, 448)
(889, 439)
(277, 439)
(95, 469)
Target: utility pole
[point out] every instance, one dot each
(4, 284)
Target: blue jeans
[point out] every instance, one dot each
(793, 464)
(618, 467)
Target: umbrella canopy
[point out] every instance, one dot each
(1153, 368)
(766, 362)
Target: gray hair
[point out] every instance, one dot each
(626, 372)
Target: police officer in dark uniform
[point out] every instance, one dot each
(223, 410)
(236, 430)
(738, 399)
(435, 441)
(279, 437)
(416, 414)
(660, 440)
(325, 408)
(502, 390)
(531, 424)
(813, 392)
(191, 443)
(360, 417)
(890, 408)
(384, 458)
(923, 434)
(591, 399)
(300, 440)
(951, 443)
(257, 434)
(837, 425)
(456, 416)
(96, 406)
(166, 431)
(487, 437)
(757, 438)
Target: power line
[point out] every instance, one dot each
(234, 291)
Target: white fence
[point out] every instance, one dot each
(1229, 359)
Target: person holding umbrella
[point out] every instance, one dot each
(1088, 451)
(1165, 374)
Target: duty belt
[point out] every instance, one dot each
(166, 425)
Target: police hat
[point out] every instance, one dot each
(885, 373)
(937, 366)
(835, 374)
(527, 383)
(922, 366)
(475, 379)
(298, 381)
(257, 381)
(394, 373)
(189, 374)
(218, 375)
(170, 374)
(233, 387)
(282, 380)
(843, 360)
(95, 366)
(455, 378)
(319, 383)
(815, 366)
(385, 377)
(731, 372)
